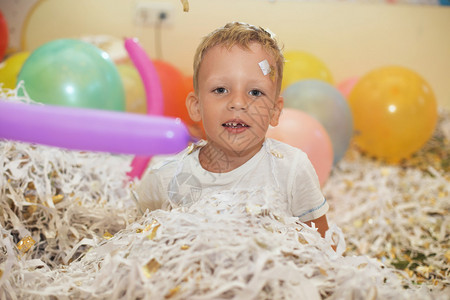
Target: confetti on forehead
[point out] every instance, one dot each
(265, 67)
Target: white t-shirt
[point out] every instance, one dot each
(286, 175)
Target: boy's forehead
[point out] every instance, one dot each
(218, 55)
(253, 48)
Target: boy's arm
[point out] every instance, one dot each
(321, 224)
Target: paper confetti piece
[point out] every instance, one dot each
(25, 244)
(150, 268)
(185, 5)
(265, 67)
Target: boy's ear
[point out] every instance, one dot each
(278, 107)
(193, 107)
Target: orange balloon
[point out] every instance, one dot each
(173, 84)
(302, 131)
(394, 113)
(195, 128)
(189, 84)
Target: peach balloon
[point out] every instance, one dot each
(347, 85)
(302, 131)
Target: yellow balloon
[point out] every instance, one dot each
(394, 113)
(302, 65)
(135, 99)
(10, 68)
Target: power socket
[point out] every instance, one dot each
(151, 13)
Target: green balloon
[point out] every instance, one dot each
(73, 73)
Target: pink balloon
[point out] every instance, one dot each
(346, 86)
(302, 131)
(153, 91)
(149, 76)
(91, 129)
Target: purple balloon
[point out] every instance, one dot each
(91, 129)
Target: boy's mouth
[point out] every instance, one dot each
(235, 125)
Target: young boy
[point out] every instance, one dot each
(237, 80)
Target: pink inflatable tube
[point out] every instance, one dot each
(149, 76)
(91, 129)
(153, 91)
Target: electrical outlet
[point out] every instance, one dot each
(151, 13)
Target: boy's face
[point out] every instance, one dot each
(237, 98)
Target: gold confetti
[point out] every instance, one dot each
(447, 255)
(358, 223)
(392, 252)
(385, 171)
(107, 235)
(151, 268)
(152, 235)
(348, 183)
(261, 244)
(185, 247)
(30, 210)
(268, 228)
(190, 148)
(362, 266)
(150, 226)
(302, 240)
(25, 244)
(289, 254)
(172, 292)
(277, 154)
(323, 272)
(57, 198)
(409, 272)
(185, 5)
(424, 270)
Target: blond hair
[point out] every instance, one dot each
(242, 35)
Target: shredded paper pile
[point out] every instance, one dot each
(70, 230)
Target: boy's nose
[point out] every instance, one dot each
(237, 102)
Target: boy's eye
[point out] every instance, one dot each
(220, 90)
(255, 93)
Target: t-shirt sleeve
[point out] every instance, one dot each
(308, 202)
(150, 192)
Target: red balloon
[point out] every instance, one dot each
(173, 84)
(302, 131)
(4, 36)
